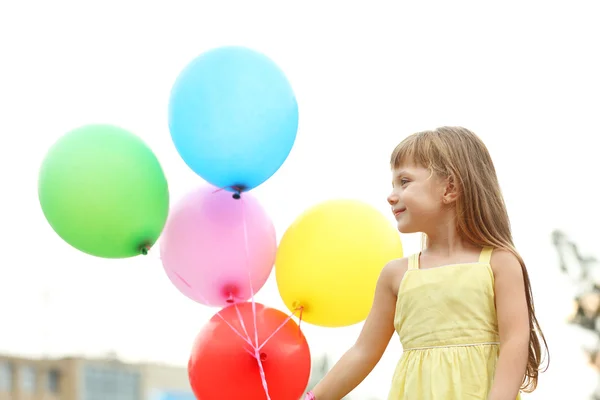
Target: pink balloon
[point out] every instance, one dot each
(206, 253)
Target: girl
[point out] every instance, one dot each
(462, 307)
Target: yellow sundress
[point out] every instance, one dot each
(446, 321)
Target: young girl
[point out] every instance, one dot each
(462, 307)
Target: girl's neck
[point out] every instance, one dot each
(447, 243)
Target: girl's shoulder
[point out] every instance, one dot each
(394, 271)
(503, 261)
(509, 275)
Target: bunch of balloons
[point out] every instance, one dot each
(233, 118)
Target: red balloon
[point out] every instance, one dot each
(222, 368)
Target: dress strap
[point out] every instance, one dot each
(413, 261)
(486, 255)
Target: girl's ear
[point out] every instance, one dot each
(451, 192)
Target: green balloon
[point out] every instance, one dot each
(104, 192)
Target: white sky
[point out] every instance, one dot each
(525, 77)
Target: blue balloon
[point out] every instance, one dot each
(233, 117)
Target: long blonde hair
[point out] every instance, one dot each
(458, 154)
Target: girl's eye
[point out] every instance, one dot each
(403, 181)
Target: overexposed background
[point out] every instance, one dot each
(522, 75)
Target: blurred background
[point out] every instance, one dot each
(522, 75)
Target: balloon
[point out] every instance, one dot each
(204, 249)
(104, 192)
(330, 258)
(221, 366)
(233, 117)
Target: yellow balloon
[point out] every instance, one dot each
(330, 258)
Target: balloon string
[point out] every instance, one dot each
(247, 250)
(300, 320)
(239, 314)
(235, 188)
(246, 339)
(280, 327)
(251, 351)
(261, 370)
(256, 349)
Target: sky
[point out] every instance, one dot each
(522, 75)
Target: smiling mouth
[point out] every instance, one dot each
(398, 212)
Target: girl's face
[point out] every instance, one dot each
(417, 198)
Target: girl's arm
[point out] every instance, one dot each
(513, 325)
(359, 361)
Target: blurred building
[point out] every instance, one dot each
(90, 379)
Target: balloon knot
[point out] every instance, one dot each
(238, 189)
(230, 292)
(145, 249)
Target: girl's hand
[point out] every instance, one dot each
(310, 396)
